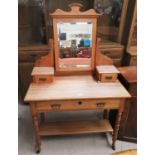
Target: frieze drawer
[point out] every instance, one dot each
(77, 105)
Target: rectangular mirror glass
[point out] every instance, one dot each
(74, 44)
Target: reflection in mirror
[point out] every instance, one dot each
(74, 44)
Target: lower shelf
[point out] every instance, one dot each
(74, 127)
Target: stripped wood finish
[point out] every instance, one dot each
(107, 69)
(74, 92)
(107, 73)
(78, 86)
(36, 127)
(47, 60)
(42, 74)
(75, 127)
(75, 12)
(55, 98)
(115, 133)
(74, 15)
(42, 71)
(74, 105)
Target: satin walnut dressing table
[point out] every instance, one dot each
(74, 88)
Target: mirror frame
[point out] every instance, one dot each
(75, 15)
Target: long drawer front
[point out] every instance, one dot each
(77, 105)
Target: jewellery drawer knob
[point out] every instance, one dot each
(55, 106)
(42, 79)
(100, 104)
(108, 77)
(80, 102)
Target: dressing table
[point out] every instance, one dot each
(64, 80)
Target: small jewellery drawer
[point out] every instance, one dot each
(77, 105)
(107, 73)
(43, 78)
(42, 74)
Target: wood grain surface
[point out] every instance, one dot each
(42, 71)
(74, 127)
(75, 87)
(107, 69)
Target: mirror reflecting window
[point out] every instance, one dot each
(74, 44)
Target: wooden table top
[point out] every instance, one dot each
(75, 87)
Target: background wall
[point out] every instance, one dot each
(34, 22)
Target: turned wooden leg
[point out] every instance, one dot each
(37, 136)
(105, 114)
(36, 127)
(42, 116)
(116, 129)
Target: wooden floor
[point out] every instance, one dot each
(84, 144)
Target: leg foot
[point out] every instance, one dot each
(36, 128)
(37, 148)
(115, 132)
(113, 147)
(37, 151)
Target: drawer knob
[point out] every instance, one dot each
(108, 77)
(55, 106)
(42, 79)
(80, 102)
(100, 104)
